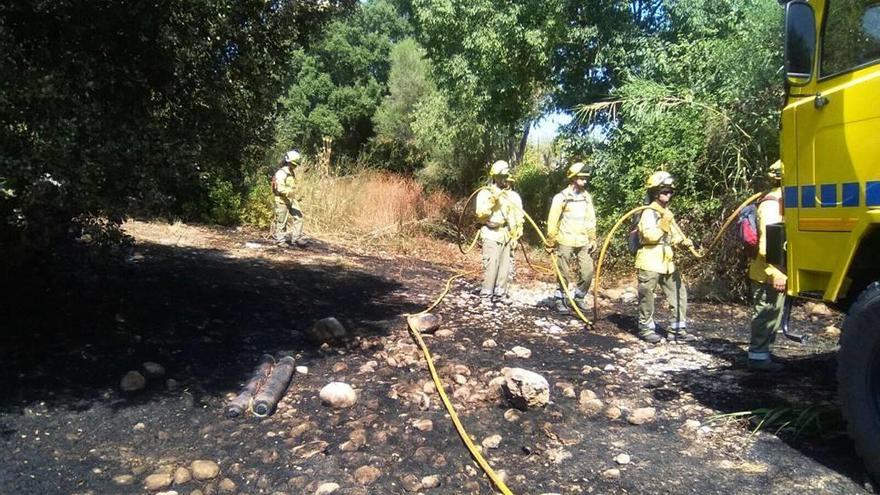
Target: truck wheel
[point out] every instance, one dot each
(858, 376)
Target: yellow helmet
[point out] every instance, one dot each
(579, 169)
(500, 167)
(775, 170)
(660, 178)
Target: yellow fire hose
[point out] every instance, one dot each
(496, 480)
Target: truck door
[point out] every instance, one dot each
(838, 130)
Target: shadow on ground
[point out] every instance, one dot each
(72, 331)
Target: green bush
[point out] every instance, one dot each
(257, 209)
(224, 203)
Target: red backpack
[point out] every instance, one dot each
(747, 226)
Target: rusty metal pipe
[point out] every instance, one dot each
(240, 403)
(274, 388)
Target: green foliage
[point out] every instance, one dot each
(340, 81)
(113, 108)
(225, 203)
(258, 208)
(811, 420)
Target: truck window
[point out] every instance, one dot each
(851, 37)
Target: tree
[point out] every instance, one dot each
(340, 81)
(112, 108)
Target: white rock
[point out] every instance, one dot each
(489, 343)
(611, 474)
(520, 352)
(158, 481)
(204, 470)
(327, 488)
(527, 389)
(338, 395)
(302, 370)
(491, 442)
(622, 459)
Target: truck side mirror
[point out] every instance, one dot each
(800, 42)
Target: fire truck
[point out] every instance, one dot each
(830, 149)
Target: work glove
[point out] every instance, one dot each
(591, 246)
(549, 245)
(778, 284)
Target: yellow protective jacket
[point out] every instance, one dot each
(572, 219)
(285, 187)
(768, 212)
(655, 253)
(500, 211)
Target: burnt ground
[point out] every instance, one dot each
(206, 303)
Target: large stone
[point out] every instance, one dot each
(204, 470)
(338, 395)
(425, 323)
(158, 481)
(520, 352)
(588, 403)
(227, 486)
(526, 389)
(153, 369)
(327, 331)
(132, 382)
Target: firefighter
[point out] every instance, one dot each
(571, 232)
(288, 214)
(499, 210)
(767, 281)
(658, 234)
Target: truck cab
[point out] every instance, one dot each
(830, 149)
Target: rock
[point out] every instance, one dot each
(171, 384)
(169, 492)
(411, 483)
(613, 294)
(817, 309)
(338, 395)
(642, 415)
(424, 323)
(691, 424)
(158, 481)
(613, 413)
(327, 488)
(611, 474)
(527, 389)
(567, 389)
(431, 481)
(123, 479)
(491, 442)
(327, 331)
(153, 369)
(831, 332)
(423, 424)
(139, 427)
(302, 370)
(588, 403)
(489, 344)
(227, 486)
(182, 475)
(444, 332)
(366, 475)
(132, 382)
(512, 415)
(204, 470)
(309, 450)
(628, 297)
(520, 352)
(622, 459)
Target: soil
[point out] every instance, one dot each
(206, 303)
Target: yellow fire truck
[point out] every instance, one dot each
(830, 149)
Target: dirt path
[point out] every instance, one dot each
(205, 304)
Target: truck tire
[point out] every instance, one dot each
(858, 376)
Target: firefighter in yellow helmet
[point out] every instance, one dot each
(571, 231)
(499, 210)
(288, 214)
(767, 281)
(658, 234)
